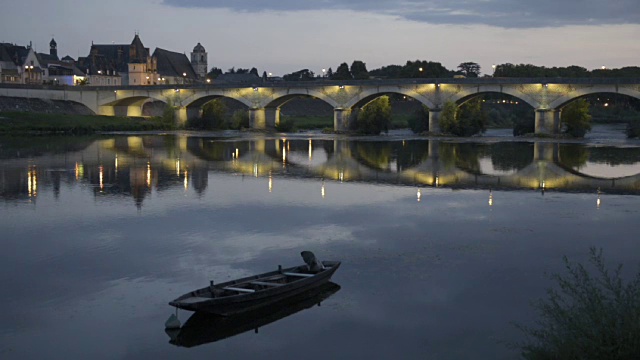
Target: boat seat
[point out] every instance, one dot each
(264, 283)
(239, 289)
(298, 274)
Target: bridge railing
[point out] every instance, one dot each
(322, 82)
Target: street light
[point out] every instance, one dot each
(184, 78)
(28, 69)
(323, 72)
(494, 68)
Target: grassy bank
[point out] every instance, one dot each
(16, 123)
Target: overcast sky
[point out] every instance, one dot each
(288, 35)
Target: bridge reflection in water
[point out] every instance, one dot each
(137, 165)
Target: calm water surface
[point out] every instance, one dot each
(443, 244)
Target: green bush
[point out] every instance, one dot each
(286, 125)
(375, 117)
(213, 117)
(239, 120)
(576, 119)
(448, 122)
(588, 317)
(419, 122)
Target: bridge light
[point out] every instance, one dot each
(255, 88)
(341, 87)
(208, 81)
(545, 85)
(177, 90)
(115, 91)
(437, 85)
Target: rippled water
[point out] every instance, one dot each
(443, 244)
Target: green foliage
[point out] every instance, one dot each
(448, 123)
(239, 120)
(469, 69)
(213, 117)
(286, 125)
(587, 316)
(466, 120)
(300, 75)
(387, 72)
(214, 73)
(342, 73)
(375, 117)
(472, 119)
(359, 70)
(576, 119)
(529, 70)
(419, 122)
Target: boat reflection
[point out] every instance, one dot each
(203, 328)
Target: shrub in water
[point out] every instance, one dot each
(588, 317)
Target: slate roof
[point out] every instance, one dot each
(117, 56)
(46, 59)
(173, 64)
(199, 48)
(14, 53)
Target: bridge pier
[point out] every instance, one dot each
(434, 120)
(547, 121)
(257, 119)
(341, 119)
(180, 115)
(272, 117)
(194, 112)
(545, 151)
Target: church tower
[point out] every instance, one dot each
(199, 61)
(53, 48)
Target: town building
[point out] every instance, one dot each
(118, 64)
(56, 71)
(173, 68)
(19, 65)
(199, 61)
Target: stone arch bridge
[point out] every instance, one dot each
(547, 96)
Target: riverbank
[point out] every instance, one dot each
(29, 123)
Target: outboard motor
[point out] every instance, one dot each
(312, 262)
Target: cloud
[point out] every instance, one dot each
(501, 13)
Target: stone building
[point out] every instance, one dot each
(199, 61)
(173, 68)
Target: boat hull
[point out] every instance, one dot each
(232, 305)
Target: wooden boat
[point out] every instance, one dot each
(253, 292)
(203, 328)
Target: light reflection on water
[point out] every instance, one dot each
(99, 236)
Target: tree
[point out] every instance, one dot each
(359, 70)
(300, 75)
(329, 73)
(576, 119)
(375, 117)
(232, 70)
(214, 73)
(213, 116)
(242, 71)
(469, 69)
(447, 122)
(342, 73)
(419, 122)
(471, 118)
(264, 76)
(254, 71)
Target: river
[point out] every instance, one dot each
(443, 242)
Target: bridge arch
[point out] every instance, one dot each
(199, 101)
(280, 98)
(371, 94)
(467, 93)
(564, 100)
(128, 106)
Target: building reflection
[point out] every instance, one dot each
(137, 166)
